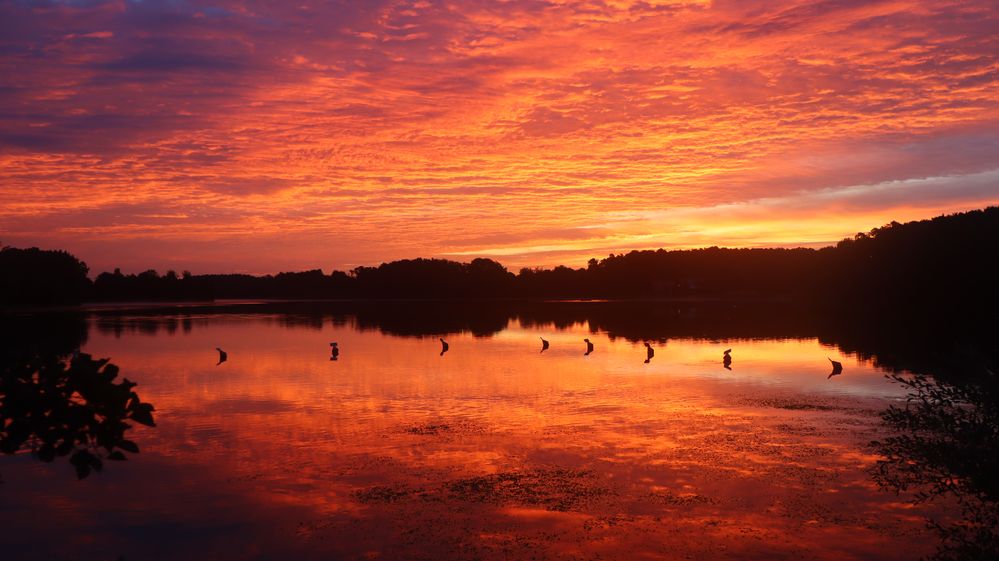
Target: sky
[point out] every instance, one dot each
(266, 136)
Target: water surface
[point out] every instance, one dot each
(493, 450)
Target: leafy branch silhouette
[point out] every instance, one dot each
(57, 408)
(944, 444)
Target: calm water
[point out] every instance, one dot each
(493, 450)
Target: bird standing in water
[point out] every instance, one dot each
(544, 345)
(837, 368)
(589, 347)
(649, 352)
(444, 346)
(727, 359)
(334, 351)
(223, 356)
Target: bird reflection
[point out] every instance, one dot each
(544, 344)
(589, 347)
(837, 368)
(444, 346)
(334, 351)
(727, 359)
(223, 356)
(649, 352)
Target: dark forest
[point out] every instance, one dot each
(948, 260)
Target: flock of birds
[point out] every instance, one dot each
(837, 367)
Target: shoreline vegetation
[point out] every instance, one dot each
(944, 262)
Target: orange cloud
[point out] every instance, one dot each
(219, 138)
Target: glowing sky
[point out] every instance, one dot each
(264, 136)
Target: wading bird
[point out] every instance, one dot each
(223, 356)
(544, 345)
(589, 347)
(649, 353)
(334, 351)
(444, 346)
(837, 368)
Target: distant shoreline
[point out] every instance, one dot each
(925, 265)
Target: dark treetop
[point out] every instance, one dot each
(949, 260)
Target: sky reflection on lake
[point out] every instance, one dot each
(493, 450)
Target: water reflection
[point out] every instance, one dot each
(892, 340)
(498, 451)
(944, 446)
(57, 402)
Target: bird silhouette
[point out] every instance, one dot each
(444, 346)
(837, 368)
(727, 359)
(589, 347)
(334, 351)
(544, 344)
(223, 356)
(649, 352)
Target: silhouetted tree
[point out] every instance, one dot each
(56, 402)
(943, 263)
(943, 444)
(433, 278)
(56, 408)
(38, 277)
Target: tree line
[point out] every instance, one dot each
(938, 262)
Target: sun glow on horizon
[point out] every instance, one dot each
(229, 138)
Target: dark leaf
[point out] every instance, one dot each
(142, 414)
(81, 461)
(65, 447)
(47, 453)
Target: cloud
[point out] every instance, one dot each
(808, 218)
(154, 61)
(532, 129)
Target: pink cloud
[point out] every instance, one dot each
(307, 135)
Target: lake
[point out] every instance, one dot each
(491, 450)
